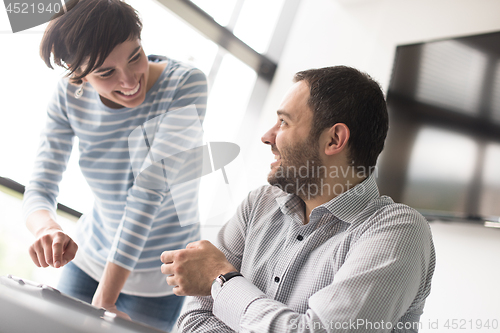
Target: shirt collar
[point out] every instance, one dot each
(289, 203)
(345, 207)
(351, 203)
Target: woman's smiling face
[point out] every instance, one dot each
(122, 79)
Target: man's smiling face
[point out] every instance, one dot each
(291, 142)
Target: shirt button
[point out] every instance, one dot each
(299, 237)
(276, 279)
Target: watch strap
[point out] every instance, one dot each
(223, 278)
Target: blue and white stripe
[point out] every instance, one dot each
(130, 224)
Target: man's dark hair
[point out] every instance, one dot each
(87, 33)
(343, 94)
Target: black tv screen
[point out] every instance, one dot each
(442, 154)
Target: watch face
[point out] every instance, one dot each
(220, 280)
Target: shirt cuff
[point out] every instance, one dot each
(232, 299)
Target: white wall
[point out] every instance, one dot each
(465, 283)
(364, 34)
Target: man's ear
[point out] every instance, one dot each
(336, 138)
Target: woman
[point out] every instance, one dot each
(112, 89)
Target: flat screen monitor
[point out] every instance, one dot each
(442, 154)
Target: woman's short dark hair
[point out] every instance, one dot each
(343, 94)
(86, 33)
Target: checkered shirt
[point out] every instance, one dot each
(362, 264)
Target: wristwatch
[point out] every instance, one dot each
(223, 278)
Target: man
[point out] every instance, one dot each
(320, 249)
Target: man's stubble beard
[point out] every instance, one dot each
(287, 176)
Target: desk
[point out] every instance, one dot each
(28, 307)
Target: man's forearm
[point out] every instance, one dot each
(198, 317)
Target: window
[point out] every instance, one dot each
(27, 85)
(444, 65)
(452, 157)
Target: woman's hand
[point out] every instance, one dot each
(52, 248)
(112, 308)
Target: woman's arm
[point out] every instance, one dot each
(52, 246)
(110, 286)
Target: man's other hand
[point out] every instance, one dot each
(191, 271)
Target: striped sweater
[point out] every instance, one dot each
(130, 224)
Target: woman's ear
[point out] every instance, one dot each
(78, 71)
(336, 138)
